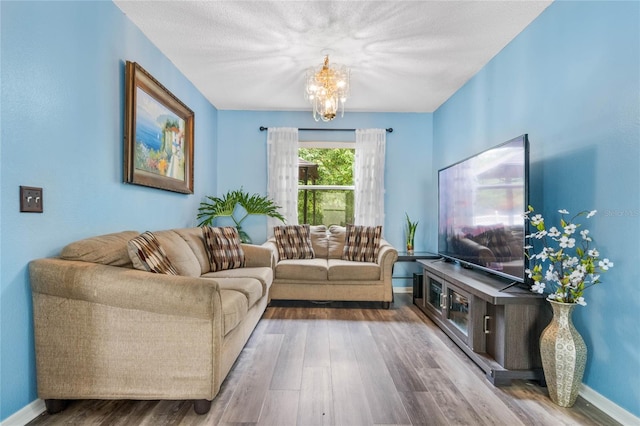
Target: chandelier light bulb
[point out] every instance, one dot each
(327, 88)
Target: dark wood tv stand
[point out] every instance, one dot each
(498, 330)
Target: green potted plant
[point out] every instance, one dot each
(226, 206)
(411, 233)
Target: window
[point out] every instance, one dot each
(325, 185)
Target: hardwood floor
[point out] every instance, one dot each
(347, 364)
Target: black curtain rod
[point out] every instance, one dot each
(389, 130)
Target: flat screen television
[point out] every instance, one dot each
(481, 201)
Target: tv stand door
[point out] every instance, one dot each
(513, 336)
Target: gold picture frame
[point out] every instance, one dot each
(158, 134)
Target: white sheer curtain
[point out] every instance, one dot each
(369, 176)
(282, 173)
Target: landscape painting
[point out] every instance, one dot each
(159, 138)
(158, 135)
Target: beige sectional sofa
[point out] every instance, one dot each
(327, 277)
(104, 330)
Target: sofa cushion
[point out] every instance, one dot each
(181, 255)
(302, 269)
(337, 236)
(110, 249)
(261, 273)
(362, 243)
(194, 237)
(223, 247)
(293, 242)
(234, 307)
(251, 288)
(346, 270)
(319, 240)
(147, 254)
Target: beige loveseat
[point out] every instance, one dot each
(104, 330)
(327, 277)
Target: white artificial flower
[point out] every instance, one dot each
(540, 234)
(537, 219)
(551, 274)
(605, 264)
(576, 276)
(553, 232)
(566, 242)
(555, 296)
(538, 287)
(569, 263)
(585, 235)
(544, 254)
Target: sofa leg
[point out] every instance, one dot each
(386, 305)
(201, 406)
(54, 406)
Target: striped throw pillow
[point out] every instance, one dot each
(147, 255)
(294, 241)
(362, 243)
(223, 248)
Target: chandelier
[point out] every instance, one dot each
(327, 88)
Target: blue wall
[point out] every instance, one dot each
(62, 129)
(571, 81)
(408, 162)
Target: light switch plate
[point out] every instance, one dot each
(30, 199)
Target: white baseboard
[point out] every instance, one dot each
(608, 407)
(403, 290)
(25, 415)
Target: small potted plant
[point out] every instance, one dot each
(225, 206)
(411, 234)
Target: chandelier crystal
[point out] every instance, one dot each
(327, 88)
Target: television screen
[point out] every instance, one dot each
(481, 201)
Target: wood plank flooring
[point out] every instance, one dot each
(347, 364)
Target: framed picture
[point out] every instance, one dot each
(158, 134)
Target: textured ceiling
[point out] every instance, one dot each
(407, 56)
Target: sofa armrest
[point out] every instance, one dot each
(125, 288)
(387, 256)
(255, 256)
(271, 245)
